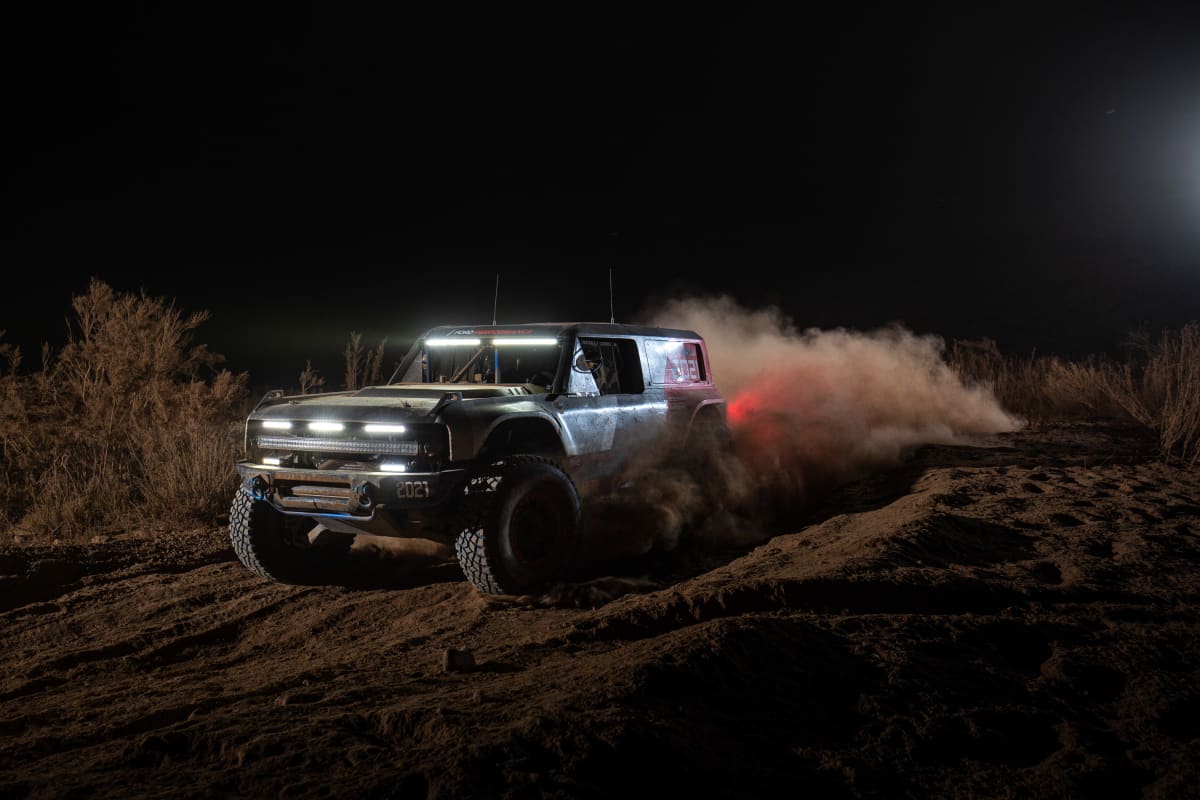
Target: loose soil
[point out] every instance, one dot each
(1012, 618)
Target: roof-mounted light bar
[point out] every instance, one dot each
(527, 341)
(456, 341)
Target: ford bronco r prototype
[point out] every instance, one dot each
(485, 438)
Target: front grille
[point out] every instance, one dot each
(323, 445)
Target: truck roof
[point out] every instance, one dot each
(557, 329)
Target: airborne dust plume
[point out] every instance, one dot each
(808, 409)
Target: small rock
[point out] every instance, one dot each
(457, 660)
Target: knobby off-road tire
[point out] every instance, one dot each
(709, 438)
(277, 547)
(520, 527)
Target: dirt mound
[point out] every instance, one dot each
(1015, 618)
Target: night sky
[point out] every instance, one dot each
(305, 171)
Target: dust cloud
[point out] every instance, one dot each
(808, 409)
(826, 405)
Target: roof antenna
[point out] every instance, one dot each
(496, 299)
(612, 317)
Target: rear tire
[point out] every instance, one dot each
(283, 548)
(521, 526)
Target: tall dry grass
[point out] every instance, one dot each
(311, 380)
(130, 423)
(1157, 385)
(1039, 388)
(363, 367)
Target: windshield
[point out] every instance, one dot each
(485, 362)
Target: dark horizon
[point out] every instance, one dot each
(1032, 178)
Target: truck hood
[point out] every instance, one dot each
(396, 402)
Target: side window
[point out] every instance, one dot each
(613, 365)
(675, 362)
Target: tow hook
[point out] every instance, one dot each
(362, 493)
(259, 487)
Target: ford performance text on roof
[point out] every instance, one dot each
(485, 438)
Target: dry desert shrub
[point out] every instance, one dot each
(129, 423)
(1039, 388)
(1157, 385)
(363, 367)
(311, 380)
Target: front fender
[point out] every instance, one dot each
(471, 422)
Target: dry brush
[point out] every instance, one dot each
(129, 423)
(1157, 385)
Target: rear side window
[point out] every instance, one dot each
(673, 362)
(613, 364)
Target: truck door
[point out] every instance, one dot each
(605, 408)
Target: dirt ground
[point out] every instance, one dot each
(1014, 618)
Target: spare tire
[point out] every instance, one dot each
(521, 526)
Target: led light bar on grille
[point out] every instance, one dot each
(373, 427)
(314, 444)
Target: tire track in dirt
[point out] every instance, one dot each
(929, 632)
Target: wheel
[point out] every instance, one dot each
(710, 438)
(521, 526)
(281, 548)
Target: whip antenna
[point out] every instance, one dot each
(612, 317)
(496, 298)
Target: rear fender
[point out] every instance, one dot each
(707, 412)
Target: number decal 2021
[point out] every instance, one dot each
(412, 490)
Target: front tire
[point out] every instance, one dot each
(283, 548)
(521, 528)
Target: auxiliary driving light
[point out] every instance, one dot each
(325, 426)
(270, 461)
(393, 466)
(277, 424)
(377, 428)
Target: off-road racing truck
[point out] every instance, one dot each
(484, 437)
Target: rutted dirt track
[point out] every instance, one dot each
(1012, 619)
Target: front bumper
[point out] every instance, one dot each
(383, 502)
